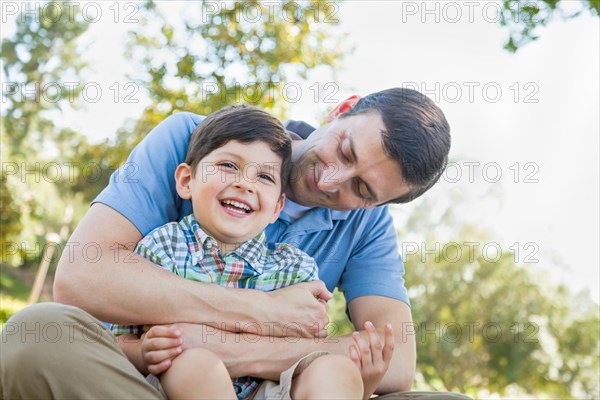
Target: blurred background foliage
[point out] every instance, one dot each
(522, 19)
(482, 328)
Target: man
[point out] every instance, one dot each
(390, 146)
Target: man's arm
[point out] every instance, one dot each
(266, 357)
(120, 286)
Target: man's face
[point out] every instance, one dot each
(343, 166)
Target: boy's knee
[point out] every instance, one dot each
(329, 375)
(334, 366)
(199, 356)
(186, 366)
(336, 362)
(199, 360)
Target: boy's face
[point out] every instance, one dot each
(235, 191)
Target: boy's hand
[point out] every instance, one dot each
(160, 345)
(373, 358)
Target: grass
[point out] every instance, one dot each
(13, 294)
(12, 286)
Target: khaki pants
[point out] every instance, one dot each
(55, 351)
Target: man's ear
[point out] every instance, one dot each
(278, 208)
(342, 108)
(183, 177)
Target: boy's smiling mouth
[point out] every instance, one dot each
(237, 207)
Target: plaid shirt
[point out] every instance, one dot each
(186, 250)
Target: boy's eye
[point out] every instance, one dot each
(267, 177)
(228, 165)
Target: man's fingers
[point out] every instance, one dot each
(320, 333)
(319, 290)
(388, 346)
(324, 304)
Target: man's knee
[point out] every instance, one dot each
(42, 313)
(52, 350)
(424, 396)
(38, 331)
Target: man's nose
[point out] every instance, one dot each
(333, 178)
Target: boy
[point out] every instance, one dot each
(236, 163)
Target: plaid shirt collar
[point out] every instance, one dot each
(252, 251)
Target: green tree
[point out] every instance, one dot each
(40, 61)
(224, 53)
(485, 323)
(42, 71)
(523, 18)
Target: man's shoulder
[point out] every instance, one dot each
(172, 133)
(183, 121)
(186, 116)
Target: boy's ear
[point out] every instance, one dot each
(342, 108)
(278, 208)
(183, 177)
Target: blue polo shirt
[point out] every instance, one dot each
(354, 250)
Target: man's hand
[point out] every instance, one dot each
(160, 345)
(372, 358)
(300, 310)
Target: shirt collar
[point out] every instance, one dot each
(252, 251)
(318, 212)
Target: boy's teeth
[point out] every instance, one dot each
(237, 204)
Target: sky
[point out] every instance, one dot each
(525, 126)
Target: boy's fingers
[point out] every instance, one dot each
(156, 357)
(388, 347)
(363, 349)
(163, 331)
(160, 343)
(354, 356)
(156, 369)
(374, 342)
